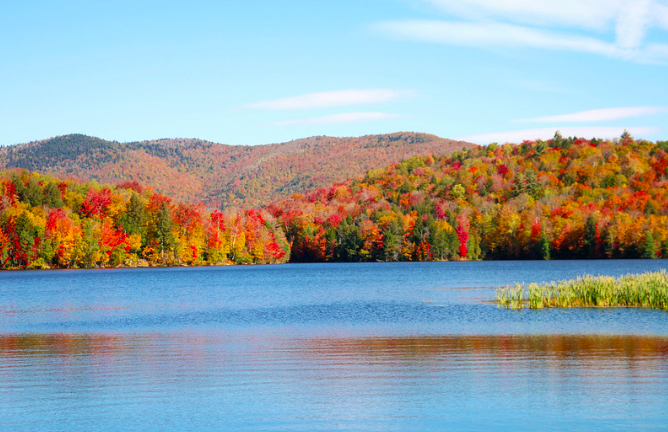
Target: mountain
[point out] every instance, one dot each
(221, 175)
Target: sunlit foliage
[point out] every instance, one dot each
(556, 199)
(563, 198)
(49, 223)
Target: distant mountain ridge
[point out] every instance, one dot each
(222, 175)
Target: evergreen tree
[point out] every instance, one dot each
(526, 183)
(473, 247)
(348, 241)
(392, 241)
(590, 243)
(162, 231)
(133, 220)
(649, 247)
(419, 230)
(543, 246)
(52, 196)
(30, 193)
(91, 243)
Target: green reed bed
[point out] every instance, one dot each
(647, 290)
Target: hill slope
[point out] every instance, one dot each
(564, 198)
(222, 175)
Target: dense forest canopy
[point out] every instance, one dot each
(562, 198)
(191, 170)
(49, 223)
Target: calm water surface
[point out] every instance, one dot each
(387, 346)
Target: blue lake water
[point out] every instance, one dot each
(386, 346)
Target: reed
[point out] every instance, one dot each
(647, 290)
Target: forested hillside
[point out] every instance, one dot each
(565, 198)
(49, 223)
(219, 175)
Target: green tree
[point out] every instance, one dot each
(543, 246)
(133, 220)
(30, 192)
(52, 196)
(90, 242)
(392, 241)
(590, 242)
(28, 240)
(349, 242)
(526, 182)
(162, 230)
(648, 247)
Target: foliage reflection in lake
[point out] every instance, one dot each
(324, 347)
(198, 381)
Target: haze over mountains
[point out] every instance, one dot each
(222, 175)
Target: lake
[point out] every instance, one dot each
(363, 347)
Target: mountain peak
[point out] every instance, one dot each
(221, 175)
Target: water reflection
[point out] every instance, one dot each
(406, 348)
(250, 381)
(512, 346)
(323, 347)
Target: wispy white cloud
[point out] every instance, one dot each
(353, 117)
(492, 34)
(573, 25)
(660, 13)
(330, 99)
(633, 22)
(598, 115)
(590, 14)
(518, 136)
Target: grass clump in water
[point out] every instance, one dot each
(647, 290)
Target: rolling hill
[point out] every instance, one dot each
(221, 175)
(564, 198)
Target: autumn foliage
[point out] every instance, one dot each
(563, 198)
(191, 170)
(48, 223)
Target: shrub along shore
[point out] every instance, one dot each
(647, 290)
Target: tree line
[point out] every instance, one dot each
(562, 198)
(49, 223)
(565, 198)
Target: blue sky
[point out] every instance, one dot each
(257, 72)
